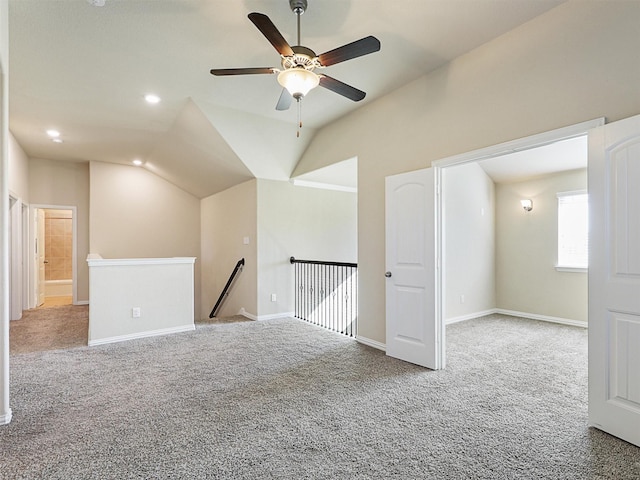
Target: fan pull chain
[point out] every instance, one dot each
(299, 118)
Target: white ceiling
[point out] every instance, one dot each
(556, 157)
(84, 70)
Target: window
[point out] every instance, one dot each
(573, 231)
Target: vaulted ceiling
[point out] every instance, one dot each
(84, 69)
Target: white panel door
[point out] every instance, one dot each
(412, 332)
(614, 279)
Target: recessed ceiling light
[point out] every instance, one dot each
(152, 98)
(137, 162)
(53, 133)
(96, 3)
(57, 140)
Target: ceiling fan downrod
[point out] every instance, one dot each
(298, 7)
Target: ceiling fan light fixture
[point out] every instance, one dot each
(298, 81)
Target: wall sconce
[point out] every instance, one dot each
(527, 204)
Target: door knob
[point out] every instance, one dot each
(388, 274)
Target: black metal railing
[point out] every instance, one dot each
(225, 290)
(326, 294)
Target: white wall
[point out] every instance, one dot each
(468, 241)
(527, 250)
(5, 410)
(18, 170)
(135, 213)
(226, 219)
(533, 79)
(307, 223)
(65, 183)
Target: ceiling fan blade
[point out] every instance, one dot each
(269, 30)
(241, 71)
(361, 47)
(341, 88)
(284, 102)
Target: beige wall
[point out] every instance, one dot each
(136, 214)
(65, 183)
(307, 223)
(226, 219)
(527, 250)
(533, 79)
(18, 170)
(469, 243)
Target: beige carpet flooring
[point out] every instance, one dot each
(281, 399)
(59, 327)
(49, 328)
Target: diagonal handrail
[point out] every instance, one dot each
(238, 266)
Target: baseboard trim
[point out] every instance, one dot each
(248, 315)
(470, 316)
(260, 318)
(135, 336)
(544, 318)
(6, 418)
(274, 316)
(82, 302)
(371, 343)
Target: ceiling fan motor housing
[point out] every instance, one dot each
(298, 6)
(302, 57)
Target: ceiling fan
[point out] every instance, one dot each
(297, 75)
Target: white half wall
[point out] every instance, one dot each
(134, 298)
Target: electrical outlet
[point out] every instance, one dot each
(273, 297)
(136, 312)
(461, 298)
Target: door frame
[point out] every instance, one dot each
(518, 145)
(32, 249)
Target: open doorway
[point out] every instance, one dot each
(58, 263)
(500, 257)
(53, 319)
(470, 158)
(53, 263)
